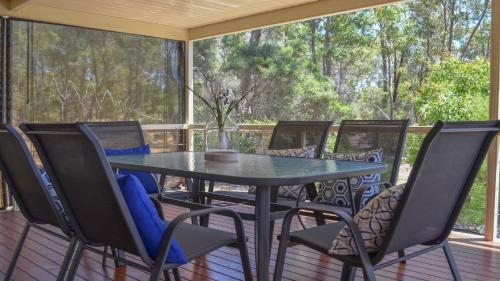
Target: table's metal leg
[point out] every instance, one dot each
(208, 201)
(274, 199)
(195, 190)
(202, 200)
(262, 231)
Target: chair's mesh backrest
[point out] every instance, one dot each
(440, 181)
(117, 135)
(298, 134)
(23, 178)
(86, 184)
(367, 135)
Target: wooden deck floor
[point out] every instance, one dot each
(42, 254)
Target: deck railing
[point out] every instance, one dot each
(260, 133)
(255, 138)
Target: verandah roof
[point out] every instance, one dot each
(179, 19)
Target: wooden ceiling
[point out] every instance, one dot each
(177, 13)
(179, 19)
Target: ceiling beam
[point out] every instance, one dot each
(34, 11)
(15, 5)
(292, 14)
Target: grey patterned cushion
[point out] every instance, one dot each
(373, 221)
(53, 195)
(291, 191)
(336, 191)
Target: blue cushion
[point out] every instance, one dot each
(127, 151)
(149, 224)
(147, 179)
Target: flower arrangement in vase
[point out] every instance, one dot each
(222, 133)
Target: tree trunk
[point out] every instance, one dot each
(327, 64)
(452, 26)
(313, 25)
(247, 74)
(445, 22)
(476, 27)
(398, 64)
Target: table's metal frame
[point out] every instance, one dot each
(267, 210)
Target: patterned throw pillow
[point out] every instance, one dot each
(291, 191)
(53, 195)
(373, 221)
(336, 191)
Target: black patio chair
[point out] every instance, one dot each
(362, 136)
(75, 160)
(439, 183)
(286, 135)
(33, 198)
(119, 135)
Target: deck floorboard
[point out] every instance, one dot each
(42, 255)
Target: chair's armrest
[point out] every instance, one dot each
(349, 221)
(174, 224)
(362, 188)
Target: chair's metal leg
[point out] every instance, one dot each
(283, 245)
(76, 262)
(177, 275)
(301, 221)
(194, 220)
(369, 276)
(451, 261)
(368, 273)
(245, 261)
(353, 273)
(348, 272)
(157, 269)
(280, 259)
(320, 219)
(155, 275)
(402, 254)
(17, 251)
(67, 259)
(166, 275)
(118, 254)
(104, 257)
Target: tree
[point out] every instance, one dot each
(455, 90)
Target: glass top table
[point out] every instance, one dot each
(252, 169)
(262, 171)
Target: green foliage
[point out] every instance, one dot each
(455, 90)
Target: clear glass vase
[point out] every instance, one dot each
(224, 138)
